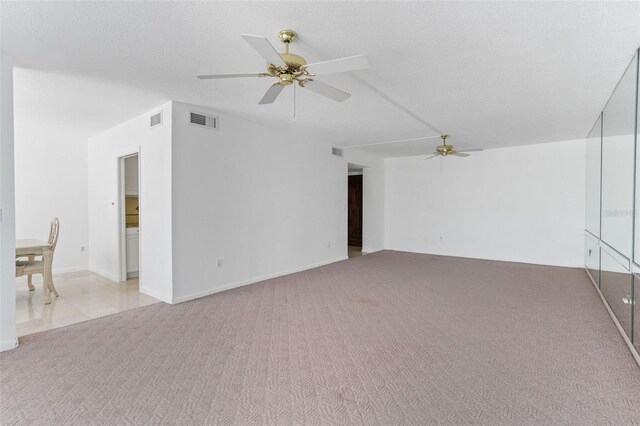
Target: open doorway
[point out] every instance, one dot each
(354, 210)
(130, 218)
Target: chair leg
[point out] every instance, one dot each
(29, 282)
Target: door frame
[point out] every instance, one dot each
(355, 179)
(122, 218)
(361, 171)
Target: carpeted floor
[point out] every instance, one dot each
(388, 338)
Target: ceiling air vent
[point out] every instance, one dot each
(197, 119)
(156, 120)
(336, 151)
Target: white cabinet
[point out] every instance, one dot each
(133, 251)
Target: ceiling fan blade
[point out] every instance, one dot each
(469, 150)
(264, 48)
(212, 76)
(459, 154)
(351, 63)
(272, 94)
(433, 156)
(326, 90)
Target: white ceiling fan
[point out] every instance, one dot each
(446, 150)
(289, 69)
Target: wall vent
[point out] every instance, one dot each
(197, 119)
(156, 120)
(336, 151)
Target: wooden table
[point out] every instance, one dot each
(31, 248)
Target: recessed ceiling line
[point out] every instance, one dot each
(390, 142)
(380, 93)
(397, 104)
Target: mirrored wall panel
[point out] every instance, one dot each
(594, 147)
(612, 220)
(615, 284)
(636, 212)
(636, 313)
(592, 257)
(618, 142)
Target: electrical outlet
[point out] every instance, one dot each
(220, 263)
(441, 238)
(83, 248)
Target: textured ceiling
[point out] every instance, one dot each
(490, 74)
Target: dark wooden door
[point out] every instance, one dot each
(355, 211)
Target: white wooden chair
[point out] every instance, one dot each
(43, 264)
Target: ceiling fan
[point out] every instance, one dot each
(445, 150)
(289, 69)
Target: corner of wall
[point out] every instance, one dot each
(154, 147)
(8, 338)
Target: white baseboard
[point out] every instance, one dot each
(104, 274)
(208, 292)
(370, 250)
(70, 269)
(23, 279)
(9, 344)
(632, 348)
(156, 294)
(496, 258)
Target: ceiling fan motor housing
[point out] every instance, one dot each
(293, 70)
(293, 61)
(445, 149)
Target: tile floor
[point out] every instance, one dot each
(354, 251)
(83, 296)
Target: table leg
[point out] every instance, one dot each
(29, 282)
(47, 280)
(45, 291)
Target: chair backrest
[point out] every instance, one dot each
(53, 233)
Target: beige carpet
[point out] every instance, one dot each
(388, 338)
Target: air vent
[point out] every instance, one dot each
(202, 120)
(156, 120)
(336, 151)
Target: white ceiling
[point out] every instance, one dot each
(489, 74)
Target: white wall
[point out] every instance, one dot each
(264, 200)
(51, 181)
(8, 338)
(154, 146)
(523, 204)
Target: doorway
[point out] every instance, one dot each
(130, 217)
(354, 209)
